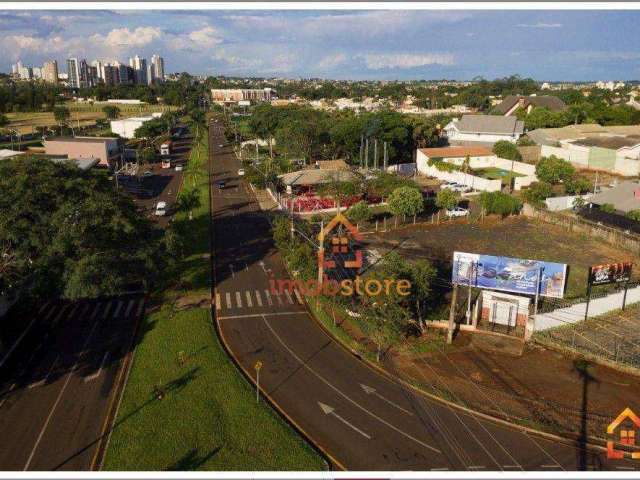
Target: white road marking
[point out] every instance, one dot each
(258, 298)
(95, 311)
(73, 311)
(345, 396)
(57, 319)
(249, 301)
(140, 308)
(551, 466)
(298, 296)
(118, 308)
(43, 380)
(475, 467)
(218, 302)
(258, 315)
(372, 391)
(246, 267)
(228, 298)
(233, 275)
(288, 295)
(269, 301)
(52, 308)
(55, 405)
(238, 300)
(85, 309)
(279, 299)
(6, 395)
(129, 307)
(106, 310)
(328, 410)
(97, 373)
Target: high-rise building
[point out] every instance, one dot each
(99, 66)
(37, 73)
(157, 63)
(50, 72)
(73, 72)
(111, 74)
(126, 73)
(139, 66)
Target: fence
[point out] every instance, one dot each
(616, 237)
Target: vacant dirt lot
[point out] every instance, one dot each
(85, 114)
(513, 237)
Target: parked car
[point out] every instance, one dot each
(241, 172)
(220, 184)
(161, 209)
(457, 212)
(178, 168)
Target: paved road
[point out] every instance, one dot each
(361, 419)
(59, 385)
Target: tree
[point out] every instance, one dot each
(423, 274)
(506, 149)
(554, 170)
(578, 185)
(4, 121)
(150, 129)
(111, 112)
(359, 212)
(338, 190)
(499, 203)
(447, 199)
(188, 200)
(406, 201)
(61, 115)
(538, 192)
(608, 208)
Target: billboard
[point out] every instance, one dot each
(610, 273)
(515, 275)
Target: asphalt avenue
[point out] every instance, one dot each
(59, 387)
(359, 418)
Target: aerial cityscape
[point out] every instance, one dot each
(375, 243)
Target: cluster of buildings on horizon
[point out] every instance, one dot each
(81, 74)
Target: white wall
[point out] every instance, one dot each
(579, 156)
(477, 183)
(555, 204)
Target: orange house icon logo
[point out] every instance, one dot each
(340, 243)
(627, 426)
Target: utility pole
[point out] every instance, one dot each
(470, 272)
(375, 154)
(366, 154)
(452, 313)
(321, 256)
(386, 157)
(361, 148)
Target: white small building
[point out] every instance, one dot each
(127, 127)
(483, 129)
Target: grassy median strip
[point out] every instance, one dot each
(186, 406)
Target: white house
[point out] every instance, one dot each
(127, 127)
(484, 129)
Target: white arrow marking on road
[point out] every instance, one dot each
(370, 390)
(332, 411)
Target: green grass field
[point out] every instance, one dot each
(493, 173)
(207, 418)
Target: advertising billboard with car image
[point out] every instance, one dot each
(508, 274)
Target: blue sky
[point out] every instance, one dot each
(400, 44)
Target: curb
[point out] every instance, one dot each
(327, 457)
(403, 383)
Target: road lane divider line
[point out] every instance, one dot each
(59, 397)
(372, 391)
(345, 396)
(258, 315)
(97, 373)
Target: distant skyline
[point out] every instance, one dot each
(559, 45)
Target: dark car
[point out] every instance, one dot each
(221, 184)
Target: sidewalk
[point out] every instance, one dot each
(575, 313)
(266, 201)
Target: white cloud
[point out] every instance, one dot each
(138, 37)
(539, 25)
(331, 61)
(378, 61)
(207, 37)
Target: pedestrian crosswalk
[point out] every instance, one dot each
(256, 298)
(123, 308)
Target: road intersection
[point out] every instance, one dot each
(360, 418)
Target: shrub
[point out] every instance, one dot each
(538, 192)
(443, 166)
(359, 212)
(633, 215)
(406, 201)
(608, 208)
(506, 149)
(554, 170)
(578, 186)
(500, 203)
